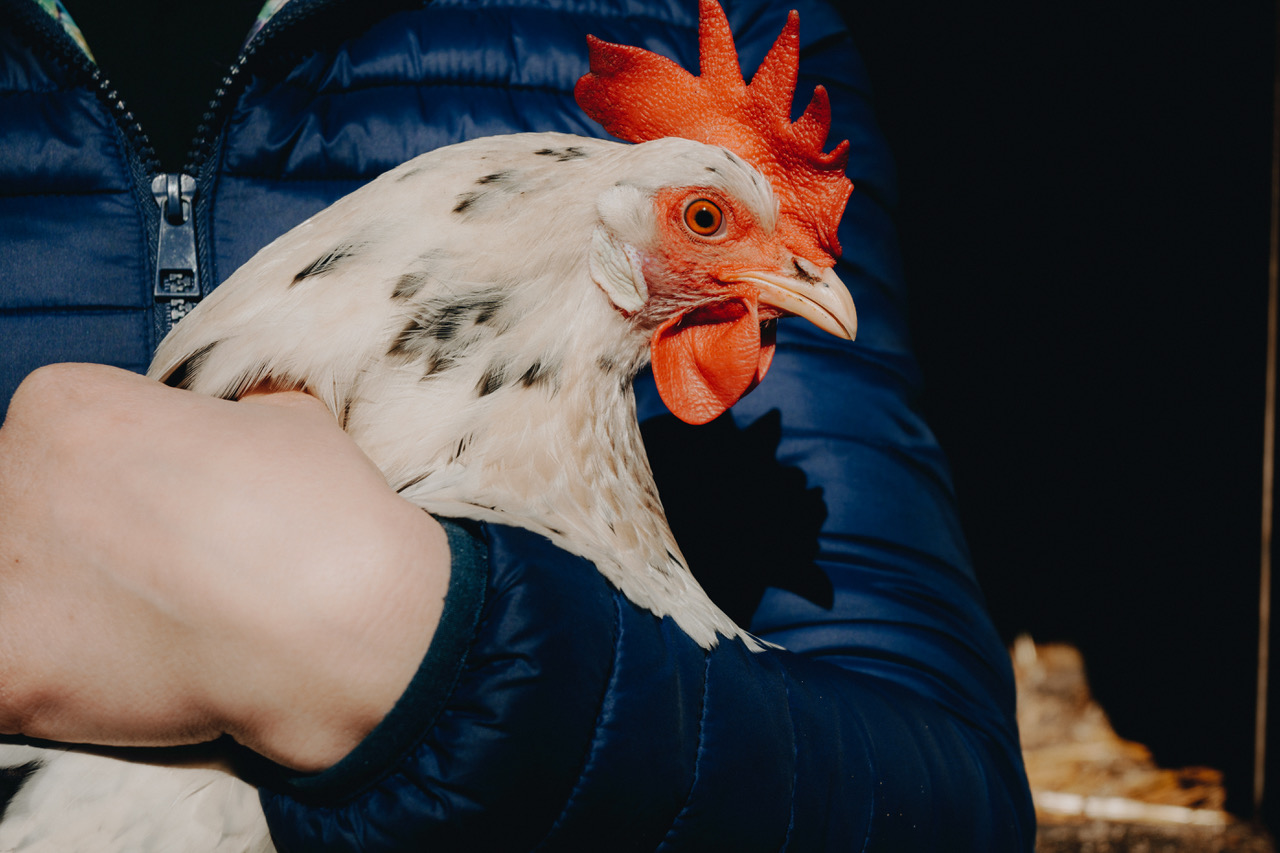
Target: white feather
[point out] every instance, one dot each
(80, 801)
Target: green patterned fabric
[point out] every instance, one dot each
(59, 13)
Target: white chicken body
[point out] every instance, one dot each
(459, 316)
(474, 319)
(79, 801)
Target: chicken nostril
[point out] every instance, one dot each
(803, 273)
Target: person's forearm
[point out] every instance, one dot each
(175, 567)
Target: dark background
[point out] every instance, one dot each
(1084, 219)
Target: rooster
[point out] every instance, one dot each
(496, 385)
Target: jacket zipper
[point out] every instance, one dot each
(179, 285)
(177, 280)
(170, 202)
(229, 89)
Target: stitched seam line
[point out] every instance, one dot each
(601, 14)
(75, 194)
(92, 310)
(872, 806)
(697, 762)
(795, 763)
(597, 741)
(564, 13)
(51, 89)
(428, 82)
(281, 179)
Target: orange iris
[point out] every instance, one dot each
(703, 217)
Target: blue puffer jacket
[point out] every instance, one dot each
(551, 713)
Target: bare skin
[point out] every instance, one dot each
(174, 568)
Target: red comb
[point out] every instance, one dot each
(638, 96)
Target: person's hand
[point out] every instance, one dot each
(175, 567)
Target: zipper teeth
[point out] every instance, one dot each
(203, 143)
(293, 12)
(128, 124)
(233, 83)
(69, 52)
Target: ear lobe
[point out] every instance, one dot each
(615, 268)
(705, 362)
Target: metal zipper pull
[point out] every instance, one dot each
(177, 284)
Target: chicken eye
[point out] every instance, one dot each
(703, 217)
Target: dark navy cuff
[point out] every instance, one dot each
(416, 711)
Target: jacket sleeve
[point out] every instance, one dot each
(555, 715)
(552, 714)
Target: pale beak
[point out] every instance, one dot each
(822, 300)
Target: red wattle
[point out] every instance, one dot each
(706, 360)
